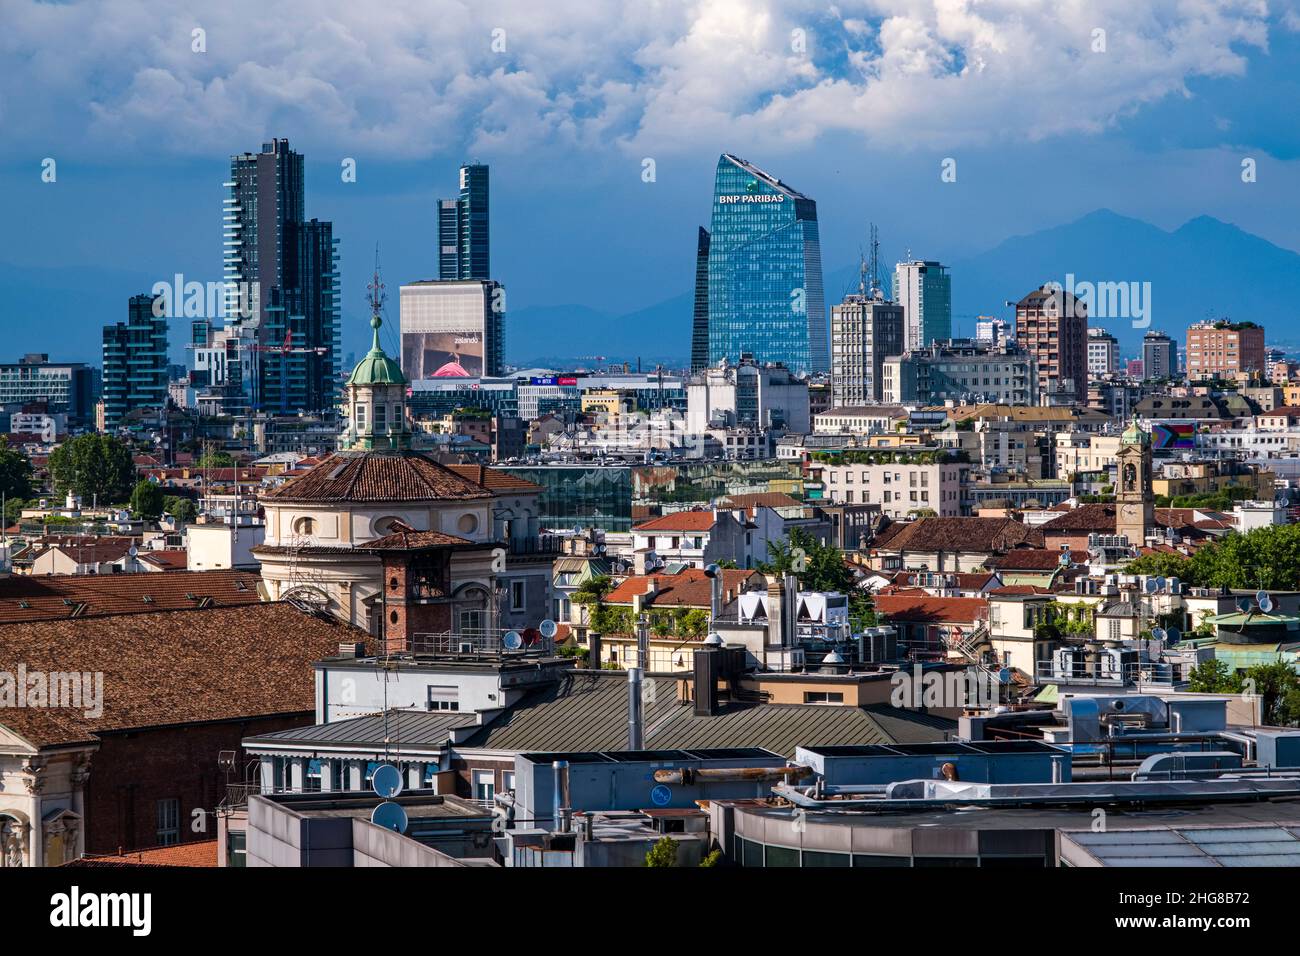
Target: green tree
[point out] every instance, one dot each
(663, 853)
(93, 466)
(182, 509)
(819, 567)
(15, 474)
(147, 500)
(1213, 676)
(1163, 564)
(1279, 687)
(216, 459)
(712, 859)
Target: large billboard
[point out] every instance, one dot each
(449, 330)
(457, 354)
(1173, 436)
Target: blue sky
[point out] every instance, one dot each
(856, 104)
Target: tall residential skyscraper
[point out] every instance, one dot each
(1052, 325)
(866, 329)
(764, 271)
(1222, 349)
(463, 248)
(283, 352)
(924, 290)
(700, 316)
(1159, 360)
(135, 361)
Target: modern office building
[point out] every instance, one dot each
(961, 370)
(1052, 325)
(135, 361)
(280, 345)
(700, 315)
(765, 272)
(1103, 353)
(64, 387)
(924, 290)
(865, 330)
(463, 246)
(452, 329)
(1221, 349)
(1159, 357)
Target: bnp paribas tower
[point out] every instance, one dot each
(764, 274)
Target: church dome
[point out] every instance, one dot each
(1134, 435)
(377, 368)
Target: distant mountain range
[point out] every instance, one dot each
(1204, 269)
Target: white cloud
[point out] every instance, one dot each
(408, 78)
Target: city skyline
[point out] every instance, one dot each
(1165, 152)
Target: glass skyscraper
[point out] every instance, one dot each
(135, 361)
(463, 249)
(764, 272)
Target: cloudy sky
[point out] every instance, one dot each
(1050, 109)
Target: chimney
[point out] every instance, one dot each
(635, 723)
(708, 661)
(775, 612)
(560, 808)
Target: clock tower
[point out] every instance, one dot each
(1134, 503)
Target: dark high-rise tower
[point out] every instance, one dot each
(700, 321)
(463, 248)
(288, 340)
(765, 271)
(135, 361)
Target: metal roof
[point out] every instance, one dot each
(588, 712)
(405, 728)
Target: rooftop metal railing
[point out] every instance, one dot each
(482, 643)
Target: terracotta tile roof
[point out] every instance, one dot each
(202, 853)
(175, 667)
(495, 480)
(921, 608)
(376, 476)
(679, 521)
(690, 587)
(1091, 517)
(1033, 559)
(406, 538)
(43, 597)
(1021, 589)
(85, 548)
(957, 534)
(177, 560)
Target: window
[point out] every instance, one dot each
(169, 822)
(508, 780)
(516, 595)
(484, 784)
(471, 622)
(823, 697)
(443, 698)
(311, 779)
(467, 523)
(381, 417)
(304, 526)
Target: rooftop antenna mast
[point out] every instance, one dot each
(875, 261)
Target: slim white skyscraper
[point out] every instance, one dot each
(924, 290)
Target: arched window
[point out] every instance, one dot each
(467, 523)
(304, 526)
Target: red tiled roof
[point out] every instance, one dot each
(966, 580)
(956, 534)
(679, 521)
(762, 499)
(405, 538)
(202, 853)
(690, 587)
(1033, 559)
(174, 667)
(177, 560)
(495, 480)
(43, 597)
(1021, 589)
(921, 608)
(378, 476)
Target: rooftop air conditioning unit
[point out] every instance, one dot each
(467, 647)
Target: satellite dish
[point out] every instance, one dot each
(1243, 605)
(1266, 604)
(1174, 635)
(386, 781)
(1149, 585)
(390, 816)
(548, 628)
(133, 551)
(1158, 633)
(1261, 597)
(1160, 583)
(512, 641)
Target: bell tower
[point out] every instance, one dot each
(1134, 501)
(376, 393)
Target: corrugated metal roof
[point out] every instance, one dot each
(589, 712)
(405, 727)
